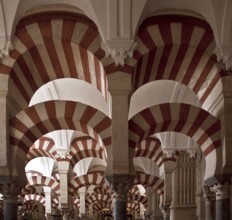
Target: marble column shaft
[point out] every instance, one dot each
(82, 194)
(10, 197)
(222, 201)
(120, 201)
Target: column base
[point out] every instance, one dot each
(182, 212)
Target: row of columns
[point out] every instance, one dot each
(218, 194)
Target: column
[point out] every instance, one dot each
(4, 111)
(141, 212)
(10, 198)
(167, 194)
(157, 215)
(41, 211)
(64, 176)
(149, 210)
(65, 215)
(222, 192)
(120, 168)
(120, 162)
(120, 201)
(200, 195)
(209, 198)
(82, 194)
(166, 174)
(90, 212)
(165, 212)
(48, 202)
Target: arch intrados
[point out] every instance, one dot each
(172, 91)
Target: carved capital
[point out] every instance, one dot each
(224, 56)
(62, 153)
(147, 215)
(169, 152)
(119, 50)
(222, 191)
(192, 153)
(164, 211)
(209, 196)
(120, 190)
(10, 191)
(5, 47)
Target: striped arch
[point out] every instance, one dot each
(138, 199)
(132, 207)
(101, 190)
(76, 202)
(99, 206)
(29, 189)
(43, 147)
(86, 148)
(56, 176)
(178, 48)
(55, 201)
(151, 181)
(32, 123)
(151, 148)
(49, 44)
(45, 181)
(35, 197)
(29, 208)
(190, 120)
(98, 197)
(183, 118)
(134, 190)
(86, 180)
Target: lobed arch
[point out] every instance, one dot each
(196, 123)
